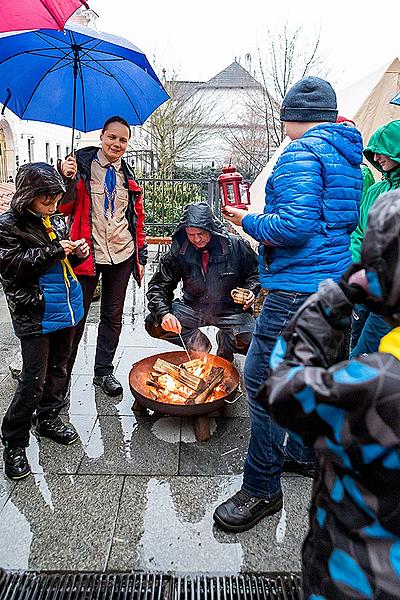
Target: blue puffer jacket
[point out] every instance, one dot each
(63, 304)
(311, 207)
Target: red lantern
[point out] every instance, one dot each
(233, 190)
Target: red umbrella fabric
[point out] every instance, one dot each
(18, 15)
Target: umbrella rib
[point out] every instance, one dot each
(39, 83)
(28, 52)
(83, 97)
(122, 88)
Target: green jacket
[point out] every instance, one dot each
(385, 140)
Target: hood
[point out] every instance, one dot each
(198, 214)
(84, 156)
(385, 140)
(380, 254)
(34, 180)
(346, 139)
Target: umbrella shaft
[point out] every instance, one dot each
(76, 59)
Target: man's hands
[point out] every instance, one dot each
(234, 215)
(80, 248)
(69, 167)
(171, 323)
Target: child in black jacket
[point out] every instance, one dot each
(45, 302)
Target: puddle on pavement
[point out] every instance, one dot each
(185, 531)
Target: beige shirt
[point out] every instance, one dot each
(113, 242)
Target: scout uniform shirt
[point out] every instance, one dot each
(112, 239)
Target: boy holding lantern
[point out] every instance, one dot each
(311, 208)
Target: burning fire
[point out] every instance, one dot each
(170, 391)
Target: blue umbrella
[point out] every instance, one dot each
(77, 77)
(396, 99)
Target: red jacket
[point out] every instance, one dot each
(76, 204)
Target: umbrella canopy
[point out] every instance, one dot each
(78, 77)
(396, 99)
(17, 15)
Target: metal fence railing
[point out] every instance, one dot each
(165, 199)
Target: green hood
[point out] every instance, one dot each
(385, 140)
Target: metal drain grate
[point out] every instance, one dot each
(81, 586)
(242, 587)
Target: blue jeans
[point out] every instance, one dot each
(368, 329)
(266, 453)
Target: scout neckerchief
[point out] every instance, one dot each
(110, 190)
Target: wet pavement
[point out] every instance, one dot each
(136, 492)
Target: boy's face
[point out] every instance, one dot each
(45, 205)
(385, 162)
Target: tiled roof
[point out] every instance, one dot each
(234, 76)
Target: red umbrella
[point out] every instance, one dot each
(18, 15)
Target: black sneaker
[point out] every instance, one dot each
(109, 384)
(243, 511)
(16, 465)
(57, 431)
(305, 469)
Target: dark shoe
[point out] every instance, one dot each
(16, 465)
(57, 431)
(305, 469)
(243, 511)
(108, 384)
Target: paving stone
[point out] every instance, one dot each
(59, 522)
(131, 445)
(6, 487)
(45, 456)
(223, 454)
(165, 524)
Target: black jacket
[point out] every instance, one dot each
(232, 263)
(27, 253)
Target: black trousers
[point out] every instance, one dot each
(234, 335)
(41, 385)
(115, 279)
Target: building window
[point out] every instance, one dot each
(47, 152)
(30, 149)
(58, 151)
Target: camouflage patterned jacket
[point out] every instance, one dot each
(350, 413)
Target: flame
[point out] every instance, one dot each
(174, 392)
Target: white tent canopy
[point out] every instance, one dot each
(366, 102)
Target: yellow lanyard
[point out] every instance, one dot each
(66, 267)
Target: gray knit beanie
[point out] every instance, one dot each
(310, 100)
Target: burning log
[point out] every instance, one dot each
(179, 373)
(192, 382)
(217, 374)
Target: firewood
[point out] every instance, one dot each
(193, 364)
(211, 384)
(179, 373)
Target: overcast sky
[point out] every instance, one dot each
(199, 39)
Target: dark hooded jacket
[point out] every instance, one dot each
(232, 263)
(31, 272)
(350, 413)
